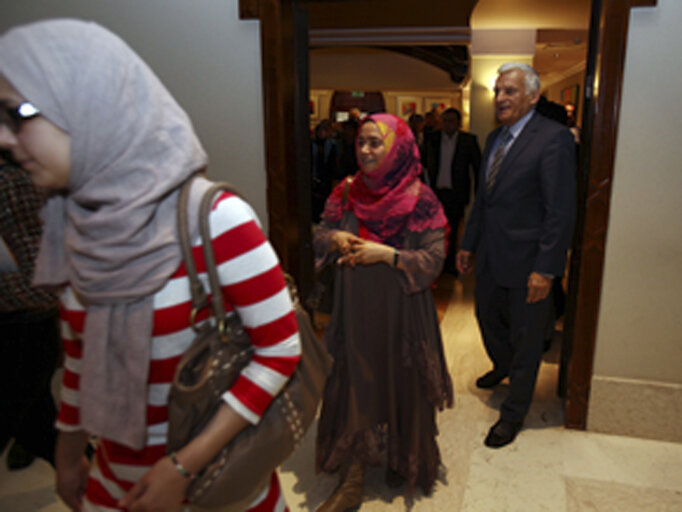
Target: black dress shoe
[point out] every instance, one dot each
(502, 433)
(490, 379)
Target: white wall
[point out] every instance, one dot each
(640, 321)
(207, 57)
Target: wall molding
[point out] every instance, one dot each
(637, 408)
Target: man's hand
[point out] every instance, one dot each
(539, 287)
(464, 262)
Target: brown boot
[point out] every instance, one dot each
(348, 496)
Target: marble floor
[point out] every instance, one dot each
(547, 468)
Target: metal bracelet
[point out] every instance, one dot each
(181, 469)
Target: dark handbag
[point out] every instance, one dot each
(210, 366)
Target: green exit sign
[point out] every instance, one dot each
(357, 94)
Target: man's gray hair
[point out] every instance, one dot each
(531, 78)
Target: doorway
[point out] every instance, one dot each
(288, 176)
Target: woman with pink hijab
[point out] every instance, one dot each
(386, 233)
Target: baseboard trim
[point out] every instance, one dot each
(636, 408)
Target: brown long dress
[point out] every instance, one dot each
(389, 374)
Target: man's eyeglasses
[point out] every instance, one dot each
(13, 117)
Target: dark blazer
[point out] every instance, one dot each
(467, 156)
(525, 223)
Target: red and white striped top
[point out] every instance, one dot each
(252, 285)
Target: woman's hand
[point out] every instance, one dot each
(366, 252)
(161, 489)
(342, 241)
(72, 468)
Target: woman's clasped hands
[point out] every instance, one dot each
(357, 251)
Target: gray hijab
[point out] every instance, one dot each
(112, 234)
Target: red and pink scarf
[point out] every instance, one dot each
(391, 199)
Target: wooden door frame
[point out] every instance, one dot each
(282, 93)
(284, 61)
(603, 90)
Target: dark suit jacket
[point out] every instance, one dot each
(467, 160)
(525, 223)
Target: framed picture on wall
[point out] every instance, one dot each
(314, 107)
(437, 104)
(570, 95)
(408, 105)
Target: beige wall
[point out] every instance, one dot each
(208, 59)
(503, 14)
(353, 68)
(639, 338)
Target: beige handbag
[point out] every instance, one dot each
(211, 365)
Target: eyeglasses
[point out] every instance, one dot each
(13, 117)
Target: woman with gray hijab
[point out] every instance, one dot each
(86, 117)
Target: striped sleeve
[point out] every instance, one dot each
(72, 319)
(254, 286)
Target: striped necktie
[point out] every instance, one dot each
(499, 156)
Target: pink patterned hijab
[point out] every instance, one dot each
(391, 199)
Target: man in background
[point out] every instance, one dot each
(452, 159)
(416, 124)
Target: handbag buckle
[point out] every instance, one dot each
(193, 319)
(222, 327)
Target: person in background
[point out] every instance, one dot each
(452, 160)
(348, 163)
(323, 167)
(386, 234)
(431, 123)
(103, 133)
(571, 122)
(558, 113)
(520, 229)
(552, 110)
(29, 350)
(416, 123)
(355, 115)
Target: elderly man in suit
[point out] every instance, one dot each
(451, 158)
(520, 229)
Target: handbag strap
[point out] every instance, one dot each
(199, 298)
(197, 290)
